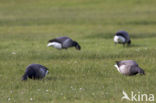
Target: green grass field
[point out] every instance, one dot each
(86, 76)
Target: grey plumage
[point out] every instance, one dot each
(35, 71)
(65, 43)
(127, 62)
(128, 67)
(125, 35)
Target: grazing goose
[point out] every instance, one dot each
(35, 71)
(128, 67)
(122, 37)
(63, 43)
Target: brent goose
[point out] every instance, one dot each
(35, 71)
(122, 37)
(128, 67)
(63, 43)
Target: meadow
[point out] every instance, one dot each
(86, 76)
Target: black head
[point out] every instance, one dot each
(141, 71)
(77, 46)
(117, 63)
(129, 42)
(45, 69)
(24, 77)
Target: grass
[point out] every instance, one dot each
(86, 76)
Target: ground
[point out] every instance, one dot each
(86, 76)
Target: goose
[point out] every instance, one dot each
(128, 67)
(35, 71)
(63, 43)
(122, 37)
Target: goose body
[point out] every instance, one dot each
(35, 71)
(63, 43)
(122, 37)
(128, 67)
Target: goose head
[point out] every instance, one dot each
(77, 46)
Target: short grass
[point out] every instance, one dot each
(86, 76)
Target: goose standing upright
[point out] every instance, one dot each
(63, 43)
(128, 67)
(122, 37)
